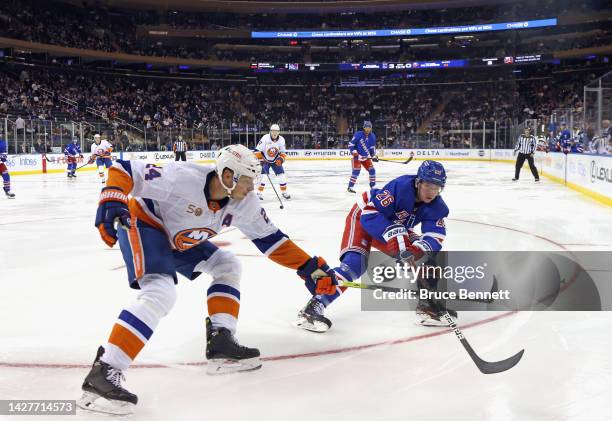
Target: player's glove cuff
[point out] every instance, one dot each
(319, 277)
(113, 194)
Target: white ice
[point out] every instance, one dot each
(62, 288)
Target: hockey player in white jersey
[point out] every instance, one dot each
(166, 226)
(101, 153)
(272, 153)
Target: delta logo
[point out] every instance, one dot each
(186, 239)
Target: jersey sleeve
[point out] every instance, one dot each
(259, 149)
(254, 223)
(433, 227)
(142, 179)
(353, 143)
(372, 148)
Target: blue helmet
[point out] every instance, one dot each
(432, 172)
(367, 124)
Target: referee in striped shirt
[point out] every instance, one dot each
(525, 147)
(180, 148)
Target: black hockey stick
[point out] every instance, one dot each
(274, 188)
(84, 165)
(396, 162)
(485, 367)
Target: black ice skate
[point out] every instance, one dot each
(9, 195)
(102, 391)
(311, 317)
(350, 190)
(431, 314)
(225, 355)
(286, 196)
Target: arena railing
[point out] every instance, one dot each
(47, 136)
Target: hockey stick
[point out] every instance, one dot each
(485, 367)
(274, 188)
(396, 162)
(84, 165)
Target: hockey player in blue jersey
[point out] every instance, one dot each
(71, 152)
(6, 178)
(384, 219)
(564, 139)
(363, 149)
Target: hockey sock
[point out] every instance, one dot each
(282, 181)
(372, 172)
(137, 322)
(353, 178)
(7, 181)
(352, 266)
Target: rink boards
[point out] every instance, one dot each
(588, 174)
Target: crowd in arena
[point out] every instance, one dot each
(325, 111)
(112, 30)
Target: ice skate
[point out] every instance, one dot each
(311, 317)
(225, 355)
(102, 390)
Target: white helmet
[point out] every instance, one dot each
(274, 128)
(241, 160)
(96, 137)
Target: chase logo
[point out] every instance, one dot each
(186, 239)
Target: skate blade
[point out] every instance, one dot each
(431, 322)
(95, 403)
(218, 366)
(311, 325)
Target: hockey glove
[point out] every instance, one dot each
(320, 279)
(375, 158)
(113, 206)
(399, 244)
(279, 161)
(355, 155)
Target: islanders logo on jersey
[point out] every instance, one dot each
(272, 153)
(186, 239)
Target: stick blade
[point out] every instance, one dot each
(486, 367)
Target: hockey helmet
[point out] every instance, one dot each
(367, 124)
(241, 160)
(432, 172)
(274, 131)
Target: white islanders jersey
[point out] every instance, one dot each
(173, 199)
(103, 149)
(271, 149)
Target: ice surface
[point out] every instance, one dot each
(62, 289)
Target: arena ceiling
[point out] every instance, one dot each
(286, 6)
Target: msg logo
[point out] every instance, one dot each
(189, 238)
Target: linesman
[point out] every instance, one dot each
(525, 146)
(180, 149)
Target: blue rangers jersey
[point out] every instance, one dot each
(564, 140)
(395, 204)
(364, 145)
(72, 149)
(3, 150)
